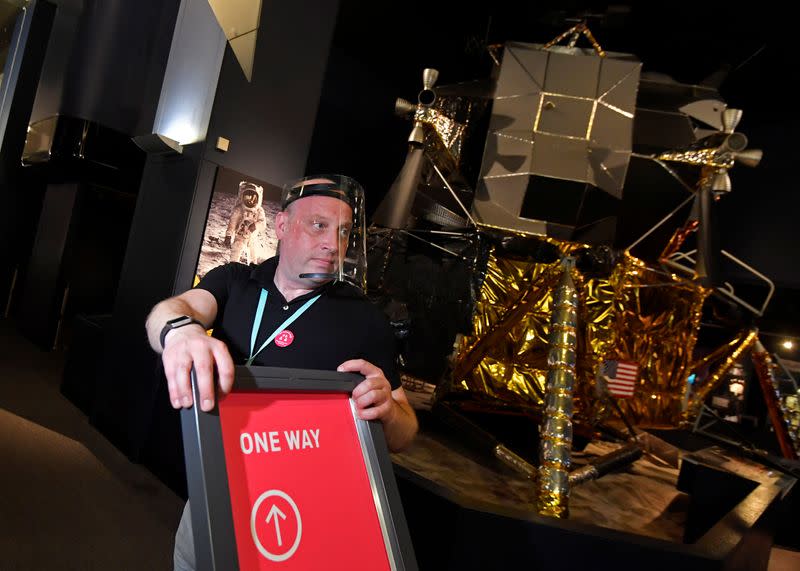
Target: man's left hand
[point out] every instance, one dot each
(375, 400)
(373, 395)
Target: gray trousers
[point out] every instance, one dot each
(183, 556)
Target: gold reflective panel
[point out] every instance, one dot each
(721, 360)
(236, 17)
(656, 319)
(39, 141)
(455, 120)
(239, 20)
(450, 131)
(699, 157)
(637, 313)
(245, 49)
(791, 407)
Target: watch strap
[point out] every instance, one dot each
(177, 323)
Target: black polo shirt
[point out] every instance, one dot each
(342, 324)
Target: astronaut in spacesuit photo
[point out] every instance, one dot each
(248, 220)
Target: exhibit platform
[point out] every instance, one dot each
(702, 509)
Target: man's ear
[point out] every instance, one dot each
(281, 221)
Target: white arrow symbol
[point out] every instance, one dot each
(275, 513)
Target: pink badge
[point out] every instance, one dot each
(284, 338)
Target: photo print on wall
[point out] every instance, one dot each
(241, 222)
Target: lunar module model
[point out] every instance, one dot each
(548, 248)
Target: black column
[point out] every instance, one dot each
(269, 123)
(20, 205)
(43, 290)
(171, 186)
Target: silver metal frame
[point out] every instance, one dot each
(674, 262)
(207, 478)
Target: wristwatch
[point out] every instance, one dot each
(181, 321)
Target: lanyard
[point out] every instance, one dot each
(262, 302)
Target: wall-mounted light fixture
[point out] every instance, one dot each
(191, 75)
(156, 144)
(195, 58)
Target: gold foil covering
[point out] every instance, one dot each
(450, 131)
(573, 33)
(724, 357)
(451, 127)
(778, 413)
(654, 322)
(699, 157)
(791, 408)
(678, 238)
(637, 314)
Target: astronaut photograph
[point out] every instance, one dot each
(240, 222)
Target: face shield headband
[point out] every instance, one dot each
(352, 266)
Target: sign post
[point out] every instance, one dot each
(283, 475)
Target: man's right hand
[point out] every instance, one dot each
(188, 347)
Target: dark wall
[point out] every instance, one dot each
(59, 46)
(107, 61)
(119, 46)
(98, 61)
(127, 387)
(269, 124)
(99, 66)
(378, 55)
(269, 121)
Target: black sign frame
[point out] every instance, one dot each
(207, 477)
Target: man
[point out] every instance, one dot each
(290, 311)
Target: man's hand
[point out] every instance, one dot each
(190, 346)
(375, 400)
(373, 395)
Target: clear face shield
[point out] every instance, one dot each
(328, 229)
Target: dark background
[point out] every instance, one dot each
(378, 56)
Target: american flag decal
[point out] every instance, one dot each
(621, 377)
